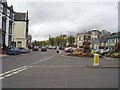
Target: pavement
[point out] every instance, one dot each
(103, 66)
(3, 55)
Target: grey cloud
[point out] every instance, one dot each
(53, 18)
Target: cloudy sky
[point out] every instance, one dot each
(55, 17)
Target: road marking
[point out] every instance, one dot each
(20, 69)
(15, 72)
(60, 66)
(1, 77)
(11, 71)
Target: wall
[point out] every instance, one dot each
(19, 33)
(0, 29)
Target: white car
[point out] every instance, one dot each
(50, 47)
(103, 51)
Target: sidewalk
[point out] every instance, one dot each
(103, 66)
(3, 55)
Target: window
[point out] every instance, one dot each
(10, 27)
(3, 24)
(79, 37)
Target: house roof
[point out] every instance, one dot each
(20, 16)
(103, 39)
(117, 35)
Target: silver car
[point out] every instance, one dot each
(24, 50)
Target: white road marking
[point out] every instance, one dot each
(2, 78)
(20, 69)
(12, 70)
(8, 75)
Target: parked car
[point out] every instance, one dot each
(50, 47)
(43, 48)
(13, 51)
(103, 51)
(24, 50)
(61, 48)
(67, 49)
(35, 48)
(96, 50)
(71, 49)
(54, 47)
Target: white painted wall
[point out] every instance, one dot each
(20, 33)
(1, 25)
(7, 28)
(1, 15)
(0, 20)
(0, 30)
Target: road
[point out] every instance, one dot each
(48, 70)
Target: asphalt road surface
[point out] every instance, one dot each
(48, 70)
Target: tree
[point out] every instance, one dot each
(36, 43)
(117, 47)
(86, 47)
(52, 41)
(71, 40)
(64, 41)
(58, 40)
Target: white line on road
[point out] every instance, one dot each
(20, 69)
(15, 72)
(12, 70)
(2, 78)
(47, 58)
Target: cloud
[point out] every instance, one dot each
(54, 18)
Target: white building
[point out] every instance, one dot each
(20, 36)
(6, 23)
(0, 24)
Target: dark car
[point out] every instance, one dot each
(13, 51)
(43, 48)
(35, 48)
(61, 48)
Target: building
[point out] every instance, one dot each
(112, 40)
(97, 39)
(0, 25)
(95, 35)
(79, 40)
(6, 24)
(104, 39)
(81, 37)
(20, 37)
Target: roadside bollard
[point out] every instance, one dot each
(96, 59)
